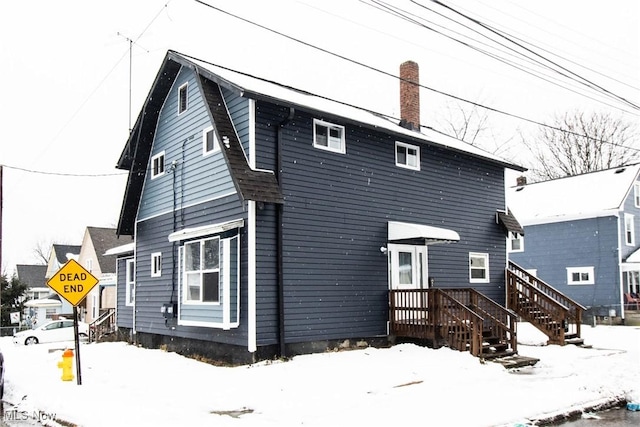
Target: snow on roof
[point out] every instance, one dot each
(252, 86)
(588, 195)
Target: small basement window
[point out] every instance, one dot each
(157, 165)
(328, 136)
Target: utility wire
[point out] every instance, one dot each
(500, 34)
(495, 110)
(388, 117)
(403, 14)
(99, 175)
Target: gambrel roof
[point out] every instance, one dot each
(251, 184)
(588, 195)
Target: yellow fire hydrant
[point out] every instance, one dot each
(67, 365)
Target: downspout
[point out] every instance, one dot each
(279, 239)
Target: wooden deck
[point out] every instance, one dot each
(462, 319)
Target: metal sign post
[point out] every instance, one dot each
(72, 282)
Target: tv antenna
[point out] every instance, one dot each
(131, 43)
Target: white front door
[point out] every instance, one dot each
(408, 267)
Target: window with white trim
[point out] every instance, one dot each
(636, 194)
(130, 282)
(209, 141)
(202, 271)
(407, 156)
(157, 165)
(580, 276)
(183, 98)
(478, 267)
(156, 264)
(629, 230)
(328, 136)
(516, 242)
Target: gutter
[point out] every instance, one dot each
(279, 237)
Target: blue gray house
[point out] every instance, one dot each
(580, 236)
(270, 221)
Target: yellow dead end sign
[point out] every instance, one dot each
(72, 282)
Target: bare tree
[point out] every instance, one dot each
(42, 252)
(580, 142)
(470, 123)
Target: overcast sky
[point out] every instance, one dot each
(66, 79)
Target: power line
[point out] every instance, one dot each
(353, 61)
(586, 81)
(391, 118)
(405, 15)
(65, 174)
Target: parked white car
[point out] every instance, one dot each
(55, 330)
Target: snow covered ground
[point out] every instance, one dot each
(403, 385)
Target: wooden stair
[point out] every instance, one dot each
(458, 318)
(550, 311)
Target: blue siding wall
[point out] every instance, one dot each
(152, 292)
(335, 220)
(551, 248)
(196, 178)
(629, 208)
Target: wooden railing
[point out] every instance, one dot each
(500, 322)
(432, 314)
(549, 310)
(458, 325)
(104, 324)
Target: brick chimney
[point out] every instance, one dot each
(521, 180)
(409, 95)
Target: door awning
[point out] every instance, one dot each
(206, 230)
(509, 222)
(410, 233)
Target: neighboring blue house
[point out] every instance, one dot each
(580, 236)
(269, 221)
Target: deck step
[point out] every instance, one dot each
(514, 361)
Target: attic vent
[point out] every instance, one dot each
(620, 170)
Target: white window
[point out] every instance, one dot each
(629, 231)
(407, 156)
(202, 271)
(478, 267)
(156, 264)
(636, 194)
(130, 282)
(580, 275)
(89, 264)
(183, 98)
(516, 242)
(157, 165)
(328, 136)
(209, 141)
